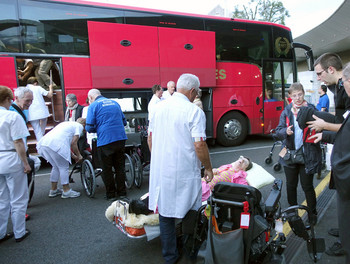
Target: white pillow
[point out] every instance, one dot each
(258, 177)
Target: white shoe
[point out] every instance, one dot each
(70, 194)
(54, 193)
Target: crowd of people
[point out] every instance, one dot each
(176, 130)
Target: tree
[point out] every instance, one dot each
(263, 10)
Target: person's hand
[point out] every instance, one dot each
(317, 137)
(27, 168)
(208, 175)
(318, 124)
(78, 159)
(289, 130)
(215, 171)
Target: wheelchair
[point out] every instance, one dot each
(90, 168)
(242, 226)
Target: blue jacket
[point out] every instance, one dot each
(106, 118)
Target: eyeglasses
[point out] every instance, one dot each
(319, 73)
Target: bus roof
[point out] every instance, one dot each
(108, 5)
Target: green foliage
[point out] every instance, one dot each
(262, 10)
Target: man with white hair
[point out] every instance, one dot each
(170, 90)
(177, 133)
(106, 118)
(23, 100)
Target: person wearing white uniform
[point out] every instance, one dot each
(170, 90)
(38, 111)
(177, 134)
(56, 147)
(13, 169)
(156, 98)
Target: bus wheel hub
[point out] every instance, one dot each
(232, 129)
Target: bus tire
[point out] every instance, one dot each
(232, 129)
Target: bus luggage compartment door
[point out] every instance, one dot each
(187, 51)
(123, 56)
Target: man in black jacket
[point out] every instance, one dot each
(340, 161)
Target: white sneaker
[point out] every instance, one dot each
(70, 194)
(54, 193)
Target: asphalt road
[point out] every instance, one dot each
(76, 230)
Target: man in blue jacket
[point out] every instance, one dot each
(106, 118)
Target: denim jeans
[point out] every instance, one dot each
(168, 239)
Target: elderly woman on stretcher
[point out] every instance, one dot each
(234, 172)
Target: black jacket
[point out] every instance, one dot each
(340, 158)
(312, 151)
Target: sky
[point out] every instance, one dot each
(304, 14)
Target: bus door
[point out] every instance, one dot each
(273, 93)
(8, 76)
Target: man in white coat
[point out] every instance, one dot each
(177, 143)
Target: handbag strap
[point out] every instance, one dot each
(19, 110)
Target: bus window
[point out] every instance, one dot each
(237, 41)
(163, 20)
(63, 31)
(9, 27)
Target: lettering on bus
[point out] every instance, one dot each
(220, 74)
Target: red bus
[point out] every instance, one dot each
(124, 51)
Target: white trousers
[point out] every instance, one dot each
(60, 166)
(14, 201)
(39, 127)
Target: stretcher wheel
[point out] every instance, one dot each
(88, 178)
(277, 167)
(138, 170)
(268, 160)
(129, 171)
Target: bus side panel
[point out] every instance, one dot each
(77, 77)
(8, 76)
(123, 56)
(187, 51)
(238, 86)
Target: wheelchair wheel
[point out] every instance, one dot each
(268, 160)
(129, 171)
(138, 169)
(277, 167)
(88, 178)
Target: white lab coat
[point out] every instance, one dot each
(12, 127)
(38, 109)
(59, 139)
(154, 100)
(175, 181)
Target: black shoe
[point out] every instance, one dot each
(6, 237)
(27, 233)
(334, 232)
(335, 250)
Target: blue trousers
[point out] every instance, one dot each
(168, 239)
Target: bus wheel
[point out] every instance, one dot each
(232, 129)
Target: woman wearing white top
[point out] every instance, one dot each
(13, 170)
(38, 111)
(56, 147)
